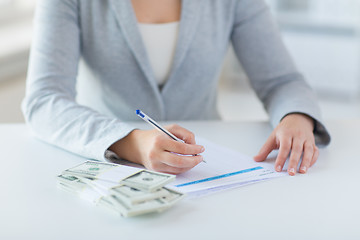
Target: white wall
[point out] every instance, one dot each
(15, 36)
(323, 36)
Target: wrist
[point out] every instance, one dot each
(305, 119)
(126, 148)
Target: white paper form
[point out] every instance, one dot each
(224, 168)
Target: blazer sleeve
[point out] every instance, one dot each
(49, 106)
(272, 73)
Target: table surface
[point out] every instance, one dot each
(323, 204)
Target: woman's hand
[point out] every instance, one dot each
(293, 134)
(158, 152)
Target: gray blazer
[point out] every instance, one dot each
(117, 77)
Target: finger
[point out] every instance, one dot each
(179, 161)
(284, 150)
(315, 156)
(182, 133)
(296, 152)
(162, 167)
(170, 145)
(266, 149)
(307, 157)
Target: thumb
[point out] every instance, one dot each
(182, 133)
(266, 149)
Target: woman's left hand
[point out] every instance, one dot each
(294, 135)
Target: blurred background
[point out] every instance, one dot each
(322, 36)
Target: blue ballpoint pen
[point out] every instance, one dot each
(152, 122)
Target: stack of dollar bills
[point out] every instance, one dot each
(127, 190)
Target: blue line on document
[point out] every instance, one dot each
(218, 177)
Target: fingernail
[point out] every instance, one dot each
(303, 169)
(202, 149)
(292, 171)
(278, 168)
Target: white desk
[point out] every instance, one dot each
(323, 204)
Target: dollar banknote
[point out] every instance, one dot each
(148, 181)
(91, 169)
(139, 192)
(132, 195)
(75, 185)
(130, 210)
(121, 175)
(71, 183)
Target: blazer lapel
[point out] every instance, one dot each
(127, 20)
(190, 17)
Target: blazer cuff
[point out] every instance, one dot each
(321, 134)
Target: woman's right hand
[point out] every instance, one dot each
(156, 151)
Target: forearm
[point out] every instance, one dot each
(272, 73)
(64, 123)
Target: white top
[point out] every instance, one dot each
(160, 43)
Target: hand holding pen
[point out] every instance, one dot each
(157, 151)
(157, 126)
